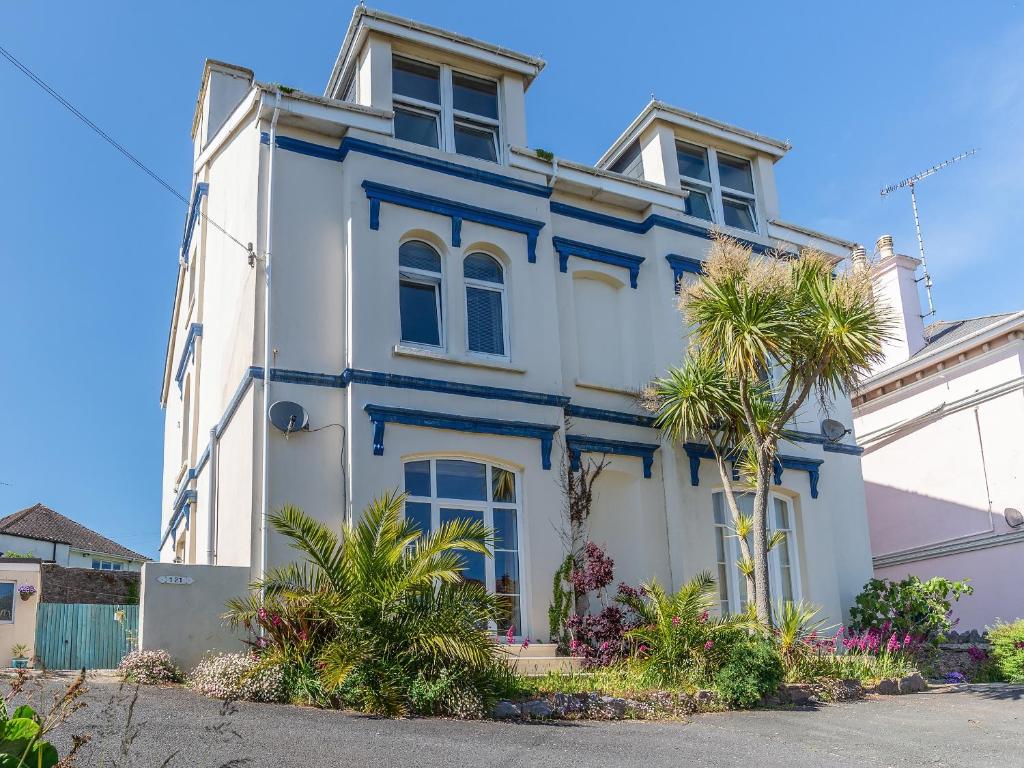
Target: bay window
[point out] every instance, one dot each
(783, 569)
(439, 107)
(441, 491)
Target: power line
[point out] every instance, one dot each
(119, 147)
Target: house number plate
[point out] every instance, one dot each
(174, 579)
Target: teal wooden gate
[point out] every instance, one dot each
(76, 635)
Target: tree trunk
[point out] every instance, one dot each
(762, 591)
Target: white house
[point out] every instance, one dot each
(40, 532)
(459, 316)
(941, 423)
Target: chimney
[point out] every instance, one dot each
(894, 280)
(859, 258)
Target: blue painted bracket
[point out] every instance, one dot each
(580, 444)
(697, 451)
(458, 212)
(380, 415)
(188, 353)
(202, 189)
(567, 248)
(682, 265)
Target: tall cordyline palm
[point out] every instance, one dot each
(382, 603)
(749, 316)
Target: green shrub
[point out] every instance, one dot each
(676, 636)
(752, 670)
(912, 607)
(375, 608)
(1007, 650)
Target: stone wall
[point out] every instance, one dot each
(84, 585)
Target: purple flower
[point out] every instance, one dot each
(955, 677)
(703, 617)
(676, 621)
(510, 635)
(893, 645)
(526, 642)
(709, 645)
(977, 654)
(262, 614)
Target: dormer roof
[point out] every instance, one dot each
(697, 125)
(366, 20)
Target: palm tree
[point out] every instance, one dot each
(377, 606)
(750, 316)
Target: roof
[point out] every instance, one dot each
(41, 522)
(944, 332)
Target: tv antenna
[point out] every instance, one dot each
(912, 183)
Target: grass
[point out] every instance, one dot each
(849, 666)
(623, 680)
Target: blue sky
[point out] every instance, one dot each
(867, 93)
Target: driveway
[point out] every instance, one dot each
(965, 726)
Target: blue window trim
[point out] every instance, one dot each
(580, 444)
(697, 451)
(350, 144)
(202, 189)
(381, 415)
(642, 227)
(378, 193)
(399, 381)
(188, 353)
(682, 265)
(602, 414)
(567, 248)
(180, 509)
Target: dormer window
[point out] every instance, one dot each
(438, 107)
(731, 188)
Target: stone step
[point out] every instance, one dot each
(537, 666)
(532, 651)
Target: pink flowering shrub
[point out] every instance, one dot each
(149, 668)
(238, 676)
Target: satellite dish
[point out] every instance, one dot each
(1013, 517)
(288, 416)
(833, 430)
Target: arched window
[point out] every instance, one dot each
(784, 572)
(443, 490)
(420, 294)
(485, 304)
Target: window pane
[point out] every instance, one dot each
(480, 266)
(417, 478)
(6, 601)
(787, 584)
(473, 562)
(693, 161)
(503, 485)
(696, 204)
(418, 255)
(418, 127)
(95, 565)
(418, 512)
(505, 533)
(486, 328)
(738, 213)
(473, 94)
(419, 81)
(461, 480)
(734, 173)
(721, 517)
(506, 573)
(476, 142)
(419, 313)
(117, 566)
(781, 515)
(508, 614)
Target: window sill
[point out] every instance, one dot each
(440, 356)
(606, 388)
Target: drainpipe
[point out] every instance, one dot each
(269, 240)
(211, 547)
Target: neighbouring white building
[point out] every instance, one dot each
(941, 423)
(459, 316)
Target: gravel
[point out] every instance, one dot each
(967, 725)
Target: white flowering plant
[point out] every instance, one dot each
(238, 676)
(149, 668)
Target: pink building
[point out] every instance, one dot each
(941, 423)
